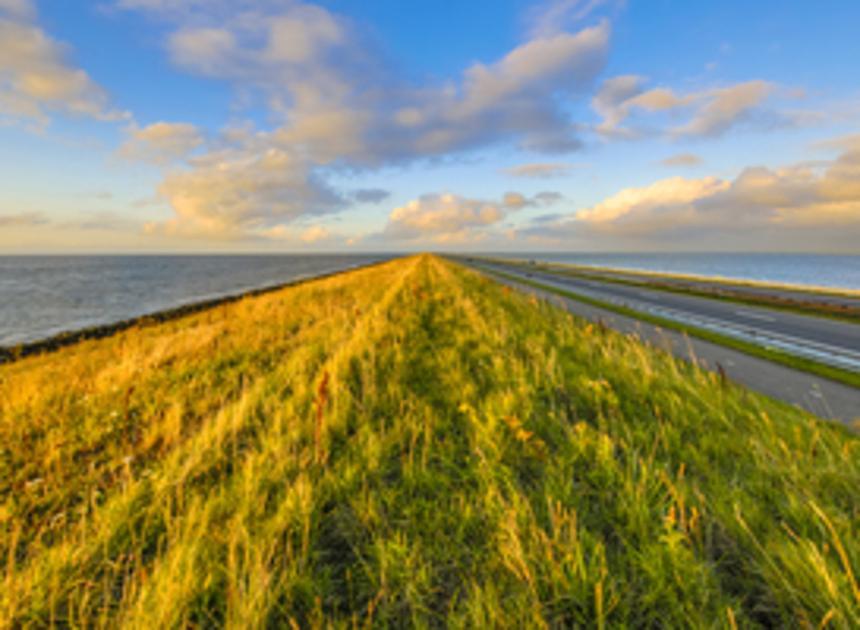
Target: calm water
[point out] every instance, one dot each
(42, 296)
(823, 270)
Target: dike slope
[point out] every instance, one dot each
(412, 444)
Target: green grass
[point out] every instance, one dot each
(799, 363)
(412, 445)
(719, 290)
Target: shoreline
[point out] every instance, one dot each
(11, 354)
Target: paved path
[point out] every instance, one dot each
(822, 397)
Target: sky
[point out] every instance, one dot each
(384, 125)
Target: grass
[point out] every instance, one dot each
(734, 291)
(789, 360)
(412, 445)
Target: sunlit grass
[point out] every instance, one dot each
(412, 445)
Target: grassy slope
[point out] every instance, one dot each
(412, 444)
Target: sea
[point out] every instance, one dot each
(809, 270)
(42, 296)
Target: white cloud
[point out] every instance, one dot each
(443, 218)
(449, 218)
(337, 104)
(161, 142)
(312, 235)
(610, 101)
(725, 108)
(234, 193)
(303, 34)
(37, 79)
(539, 170)
(797, 207)
(18, 8)
(514, 97)
(342, 102)
(710, 112)
(205, 50)
(682, 159)
(212, 8)
(554, 16)
(632, 204)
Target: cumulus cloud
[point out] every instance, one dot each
(216, 9)
(709, 112)
(516, 95)
(443, 218)
(18, 8)
(848, 143)
(343, 103)
(36, 77)
(539, 170)
(161, 142)
(311, 235)
(655, 203)
(724, 108)
(612, 103)
(796, 207)
(553, 16)
(338, 104)
(449, 218)
(234, 193)
(682, 159)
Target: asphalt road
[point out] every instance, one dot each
(787, 294)
(827, 341)
(819, 396)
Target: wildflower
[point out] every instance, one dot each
(671, 519)
(34, 483)
(513, 422)
(523, 435)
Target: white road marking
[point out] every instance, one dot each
(759, 316)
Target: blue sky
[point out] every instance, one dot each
(578, 125)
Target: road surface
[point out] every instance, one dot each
(788, 295)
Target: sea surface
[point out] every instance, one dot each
(818, 270)
(41, 296)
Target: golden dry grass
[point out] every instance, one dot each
(411, 445)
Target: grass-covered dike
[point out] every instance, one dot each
(412, 445)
